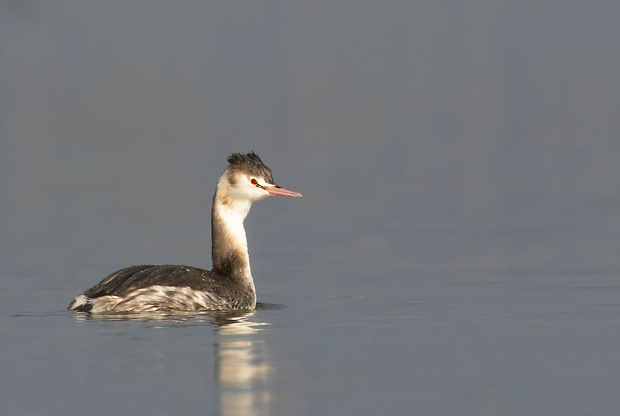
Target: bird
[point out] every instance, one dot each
(178, 288)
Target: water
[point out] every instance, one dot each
(478, 321)
(455, 251)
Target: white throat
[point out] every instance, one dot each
(229, 212)
(230, 217)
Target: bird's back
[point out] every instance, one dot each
(163, 288)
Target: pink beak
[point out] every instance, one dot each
(276, 190)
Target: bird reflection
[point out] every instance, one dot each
(242, 367)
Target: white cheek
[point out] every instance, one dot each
(259, 193)
(250, 192)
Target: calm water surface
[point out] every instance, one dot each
(115, 123)
(413, 320)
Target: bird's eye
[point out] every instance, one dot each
(254, 182)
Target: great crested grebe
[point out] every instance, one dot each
(229, 286)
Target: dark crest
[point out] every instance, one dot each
(250, 163)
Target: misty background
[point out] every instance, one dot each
(116, 120)
(455, 250)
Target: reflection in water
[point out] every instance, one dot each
(242, 368)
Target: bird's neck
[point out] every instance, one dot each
(229, 243)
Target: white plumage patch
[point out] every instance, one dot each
(159, 298)
(79, 301)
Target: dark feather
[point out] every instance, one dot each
(129, 279)
(251, 164)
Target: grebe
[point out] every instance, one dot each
(229, 286)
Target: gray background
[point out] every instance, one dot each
(457, 158)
